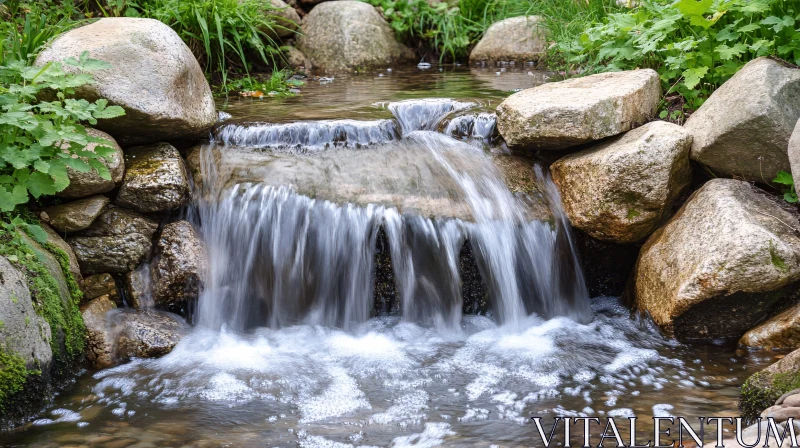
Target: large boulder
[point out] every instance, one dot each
(518, 39)
(794, 154)
(155, 179)
(147, 333)
(781, 331)
(346, 35)
(154, 76)
(621, 190)
(568, 113)
(117, 242)
(99, 334)
(76, 215)
(90, 183)
(743, 128)
(729, 258)
(767, 387)
(181, 265)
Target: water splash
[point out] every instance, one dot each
(308, 136)
(473, 126)
(424, 114)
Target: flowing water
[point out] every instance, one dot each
(378, 278)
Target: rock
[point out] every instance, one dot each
(117, 242)
(792, 400)
(156, 179)
(794, 154)
(568, 113)
(58, 242)
(519, 39)
(74, 216)
(154, 76)
(139, 284)
(181, 265)
(148, 334)
(781, 331)
(286, 19)
(729, 258)
(99, 334)
(23, 332)
(743, 128)
(781, 413)
(621, 190)
(101, 285)
(770, 386)
(346, 35)
(90, 183)
(297, 60)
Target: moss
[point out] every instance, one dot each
(13, 375)
(776, 259)
(632, 213)
(761, 390)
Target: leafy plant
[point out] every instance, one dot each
(785, 179)
(278, 83)
(695, 45)
(40, 139)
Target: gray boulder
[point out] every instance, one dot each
(23, 332)
(75, 216)
(286, 19)
(346, 35)
(154, 77)
(90, 183)
(147, 333)
(743, 128)
(156, 179)
(518, 39)
(99, 334)
(181, 265)
(117, 242)
(728, 259)
(623, 189)
(576, 111)
(794, 154)
(139, 285)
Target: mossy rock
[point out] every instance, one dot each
(762, 389)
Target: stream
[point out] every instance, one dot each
(298, 340)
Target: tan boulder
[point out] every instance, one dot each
(76, 215)
(518, 39)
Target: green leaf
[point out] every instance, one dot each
(727, 53)
(783, 178)
(37, 232)
(42, 166)
(693, 76)
(694, 7)
(790, 197)
(779, 23)
(101, 169)
(39, 184)
(749, 28)
(10, 199)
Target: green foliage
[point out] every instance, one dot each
(785, 179)
(225, 35)
(13, 375)
(277, 84)
(40, 139)
(694, 45)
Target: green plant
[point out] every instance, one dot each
(695, 45)
(223, 34)
(40, 139)
(787, 182)
(278, 83)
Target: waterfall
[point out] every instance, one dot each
(280, 257)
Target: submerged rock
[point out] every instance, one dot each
(743, 128)
(99, 334)
(156, 179)
(147, 333)
(728, 259)
(117, 242)
(771, 386)
(90, 183)
(181, 265)
(621, 190)
(568, 113)
(74, 216)
(346, 35)
(154, 76)
(519, 39)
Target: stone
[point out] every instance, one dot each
(155, 181)
(287, 20)
(181, 264)
(154, 76)
(781, 413)
(794, 153)
(147, 333)
(77, 215)
(728, 259)
(139, 285)
(792, 400)
(621, 190)
(117, 242)
(90, 183)
(56, 240)
(563, 114)
(297, 60)
(23, 332)
(781, 331)
(99, 334)
(771, 386)
(743, 128)
(101, 285)
(520, 39)
(347, 35)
